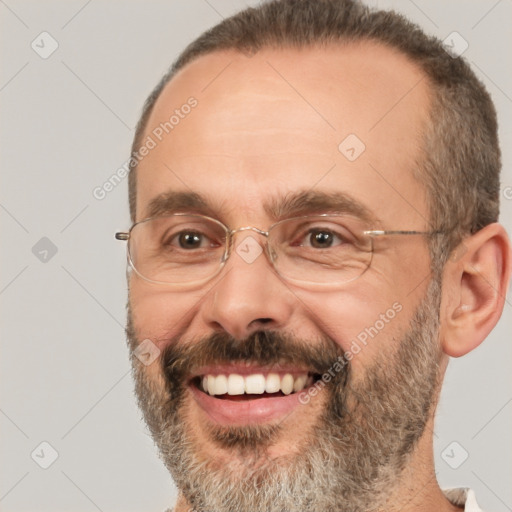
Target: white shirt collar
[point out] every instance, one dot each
(463, 497)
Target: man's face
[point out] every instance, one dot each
(266, 128)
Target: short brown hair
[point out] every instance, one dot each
(461, 159)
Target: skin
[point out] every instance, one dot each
(271, 124)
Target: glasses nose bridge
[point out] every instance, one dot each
(231, 237)
(248, 228)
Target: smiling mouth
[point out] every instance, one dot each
(237, 387)
(243, 394)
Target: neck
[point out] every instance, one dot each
(417, 489)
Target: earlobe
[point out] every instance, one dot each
(474, 289)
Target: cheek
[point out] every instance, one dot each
(366, 322)
(158, 314)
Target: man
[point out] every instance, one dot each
(314, 192)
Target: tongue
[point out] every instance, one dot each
(239, 398)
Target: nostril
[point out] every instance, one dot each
(258, 322)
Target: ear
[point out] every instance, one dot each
(475, 281)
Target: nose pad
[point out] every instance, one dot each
(272, 254)
(251, 249)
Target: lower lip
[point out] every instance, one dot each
(242, 412)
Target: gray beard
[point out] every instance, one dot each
(354, 456)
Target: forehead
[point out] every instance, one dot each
(236, 129)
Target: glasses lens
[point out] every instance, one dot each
(177, 248)
(320, 249)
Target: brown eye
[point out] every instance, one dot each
(190, 240)
(321, 239)
(319, 235)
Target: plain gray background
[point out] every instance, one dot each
(66, 126)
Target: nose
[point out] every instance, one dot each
(248, 295)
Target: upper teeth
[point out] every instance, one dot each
(257, 383)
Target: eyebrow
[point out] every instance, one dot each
(278, 207)
(172, 202)
(305, 202)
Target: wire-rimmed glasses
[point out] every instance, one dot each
(187, 250)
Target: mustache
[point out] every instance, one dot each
(179, 359)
